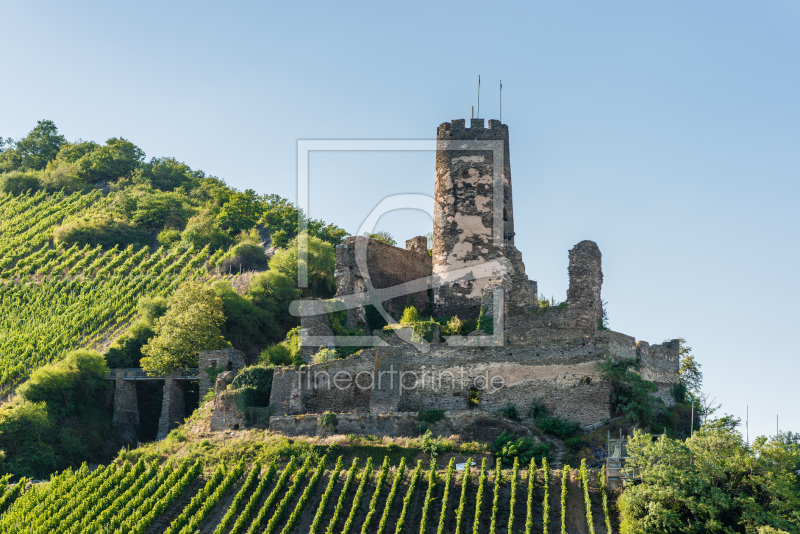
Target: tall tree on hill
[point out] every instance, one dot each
(40, 146)
(241, 212)
(192, 323)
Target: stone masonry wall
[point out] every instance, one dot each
(126, 408)
(172, 406)
(224, 360)
(470, 425)
(386, 266)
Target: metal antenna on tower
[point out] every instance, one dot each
(501, 101)
(479, 96)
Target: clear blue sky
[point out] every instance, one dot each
(669, 133)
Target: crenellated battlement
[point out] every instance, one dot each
(457, 129)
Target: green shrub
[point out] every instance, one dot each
(100, 229)
(168, 237)
(324, 355)
(631, 395)
(248, 257)
(328, 420)
(59, 418)
(257, 382)
(558, 427)
(538, 409)
(485, 323)
(17, 182)
(507, 447)
(510, 412)
(126, 350)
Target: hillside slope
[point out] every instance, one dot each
(54, 299)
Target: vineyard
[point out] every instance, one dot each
(311, 495)
(54, 299)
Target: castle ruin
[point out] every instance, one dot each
(549, 353)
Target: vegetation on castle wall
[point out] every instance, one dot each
(631, 395)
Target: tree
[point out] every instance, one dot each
(710, 483)
(202, 230)
(320, 264)
(192, 324)
(165, 174)
(690, 372)
(275, 292)
(241, 212)
(117, 158)
(246, 325)
(40, 145)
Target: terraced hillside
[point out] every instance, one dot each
(54, 299)
(314, 495)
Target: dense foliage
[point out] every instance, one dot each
(711, 482)
(64, 410)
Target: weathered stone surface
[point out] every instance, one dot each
(226, 415)
(470, 425)
(172, 407)
(126, 408)
(466, 230)
(227, 359)
(386, 266)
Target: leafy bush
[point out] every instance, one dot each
(59, 418)
(538, 409)
(383, 237)
(434, 445)
(17, 182)
(257, 381)
(320, 263)
(126, 350)
(328, 420)
(275, 292)
(278, 354)
(711, 479)
(248, 257)
(201, 231)
(287, 352)
(100, 229)
(246, 325)
(631, 395)
(507, 447)
(485, 323)
(558, 427)
(324, 355)
(510, 412)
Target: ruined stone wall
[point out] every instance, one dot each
(560, 370)
(660, 364)
(223, 360)
(470, 425)
(387, 266)
(319, 388)
(466, 232)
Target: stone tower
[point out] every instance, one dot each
(467, 231)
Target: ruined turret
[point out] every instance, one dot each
(474, 218)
